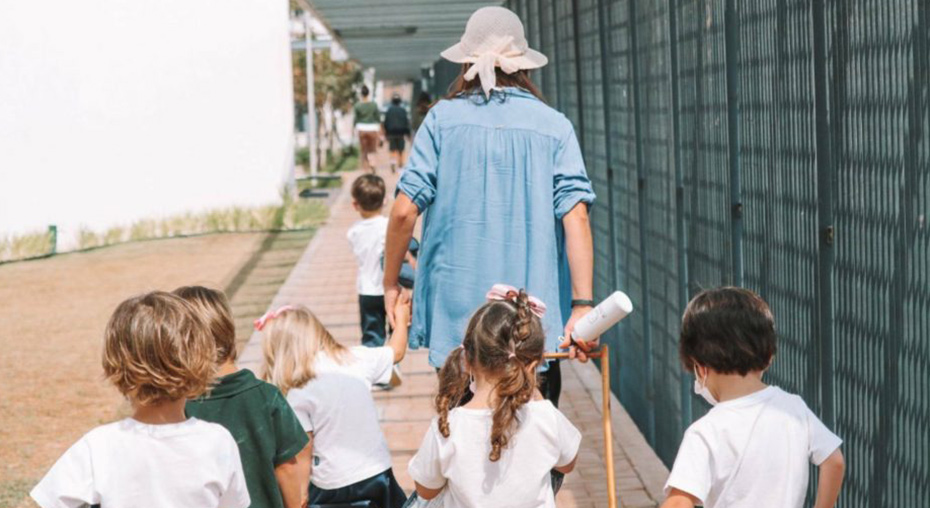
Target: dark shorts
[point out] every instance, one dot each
(396, 143)
(371, 310)
(381, 490)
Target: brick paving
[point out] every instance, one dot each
(324, 280)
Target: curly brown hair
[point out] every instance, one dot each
(158, 349)
(504, 340)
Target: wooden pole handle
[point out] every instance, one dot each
(604, 354)
(564, 356)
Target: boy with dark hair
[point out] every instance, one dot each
(753, 448)
(367, 238)
(272, 442)
(397, 130)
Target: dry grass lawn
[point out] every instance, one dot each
(52, 316)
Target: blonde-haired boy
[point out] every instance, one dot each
(158, 352)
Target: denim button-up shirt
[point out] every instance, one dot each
(493, 180)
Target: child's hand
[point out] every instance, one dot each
(402, 309)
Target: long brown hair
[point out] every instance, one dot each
(505, 340)
(519, 79)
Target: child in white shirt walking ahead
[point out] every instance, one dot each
(367, 239)
(158, 352)
(329, 388)
(498, 449)
(754, 447)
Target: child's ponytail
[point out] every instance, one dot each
(453, 384)
(505, 341)
(516, 385)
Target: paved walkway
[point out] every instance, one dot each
(324, 280)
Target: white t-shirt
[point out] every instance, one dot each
(367, 239)
(753, 451)
(543, 440)
(336, 405)
(129, 463)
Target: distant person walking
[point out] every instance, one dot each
(397, 130)
(368, 127)
(502, 178)
(421, 109)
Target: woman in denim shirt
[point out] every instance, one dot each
(499, 178)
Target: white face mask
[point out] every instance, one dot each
(700, 388)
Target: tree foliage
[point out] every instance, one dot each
(338, 80)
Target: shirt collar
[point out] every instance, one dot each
(232, 384)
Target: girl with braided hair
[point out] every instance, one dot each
(498, 448)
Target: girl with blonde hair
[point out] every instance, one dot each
(498, 448)
(329, 387)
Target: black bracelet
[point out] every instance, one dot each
(582, 303)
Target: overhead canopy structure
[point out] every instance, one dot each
(396, 37)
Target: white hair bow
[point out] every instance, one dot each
(501, 54)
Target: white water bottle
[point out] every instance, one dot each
(607, 313)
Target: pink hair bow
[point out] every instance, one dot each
(505, 292)
(271, 314)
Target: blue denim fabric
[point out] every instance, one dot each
(493, 179)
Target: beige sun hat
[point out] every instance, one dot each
(494, 37)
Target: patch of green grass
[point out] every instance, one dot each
(347, 161)
(25, 246)
(290, 215)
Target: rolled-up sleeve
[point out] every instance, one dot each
(419, 179)
(572, 185)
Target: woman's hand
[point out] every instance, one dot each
(403, 219)
(391, 295)
(402, 310)
(578, 349)
(580, 249)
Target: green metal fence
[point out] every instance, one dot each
(781, 145)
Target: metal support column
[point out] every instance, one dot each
(311, 95)
(826, 176)
(555, 54)
(681, 243)
(644, 265)
(579, 93)
(606, 62)
(731, 27)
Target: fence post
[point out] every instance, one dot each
(905, 236)
(555, 54)
(579, 104)
(606, 62)
(52, 240)
(681, 245)
(826, 174)
(644, 265)
(732, 49)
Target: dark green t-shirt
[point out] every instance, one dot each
(367, 112)
(263, 425)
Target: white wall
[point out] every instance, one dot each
(115, 110)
